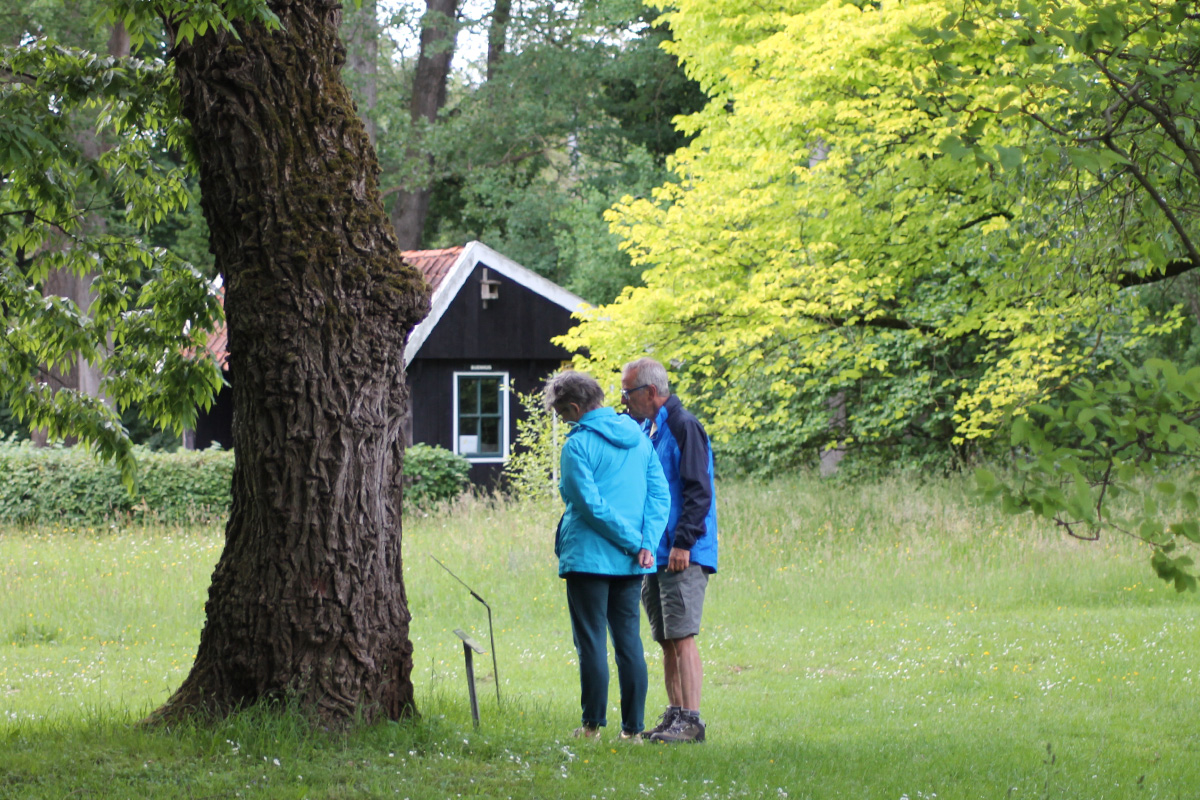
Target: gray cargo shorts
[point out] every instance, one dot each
(674, 602)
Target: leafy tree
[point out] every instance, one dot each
(842, 192)
(572, 112)
(307, 601)
(71, 24)
(643, 89)
(439, 29)
(148, 308)
(1107, 458)
(949, 205)
(181, 232)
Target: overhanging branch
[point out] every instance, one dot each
(888, 323)
(1174, 268)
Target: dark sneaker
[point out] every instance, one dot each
(664, 722)
(685, 728)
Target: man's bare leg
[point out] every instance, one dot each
(689, 672)
(671, 676)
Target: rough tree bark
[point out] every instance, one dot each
(438, 33)
(307, 602)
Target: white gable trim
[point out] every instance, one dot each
(471, 255)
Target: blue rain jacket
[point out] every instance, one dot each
(687, 461)
(617, 497)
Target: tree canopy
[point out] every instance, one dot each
(873, 183)
(82, 180)
(575, 111)
(929, 217)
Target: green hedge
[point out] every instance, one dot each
(68, 485)
(44, 485)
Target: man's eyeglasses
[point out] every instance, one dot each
(626, 392)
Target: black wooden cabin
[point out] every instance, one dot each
(486, 340)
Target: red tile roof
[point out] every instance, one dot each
(218, 342)
(434, 264)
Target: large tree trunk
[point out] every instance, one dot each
(438, 34)
(497, 35)
(362, 59)
(307, 602)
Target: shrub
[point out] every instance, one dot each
(532, 470)
(40, 485)
(433, 474)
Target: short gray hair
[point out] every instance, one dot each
(648, 372)
(570, 387)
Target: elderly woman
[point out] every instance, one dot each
(617, 505)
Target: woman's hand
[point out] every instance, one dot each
(645, 558)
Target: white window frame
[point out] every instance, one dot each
(504, 415)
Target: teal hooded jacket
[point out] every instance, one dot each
(617, 497)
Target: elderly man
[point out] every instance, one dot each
(687, 554)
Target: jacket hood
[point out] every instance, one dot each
(620, 430)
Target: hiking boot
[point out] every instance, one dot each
(630, 736)
(685, 728)
(591, 732)
(664, 722)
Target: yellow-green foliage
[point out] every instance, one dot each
(874, 178)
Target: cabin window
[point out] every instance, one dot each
(481, 415)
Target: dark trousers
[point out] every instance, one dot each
(597, 603)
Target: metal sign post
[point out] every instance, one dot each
(491, 636)
(469, 645)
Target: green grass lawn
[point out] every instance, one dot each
(882, 641)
